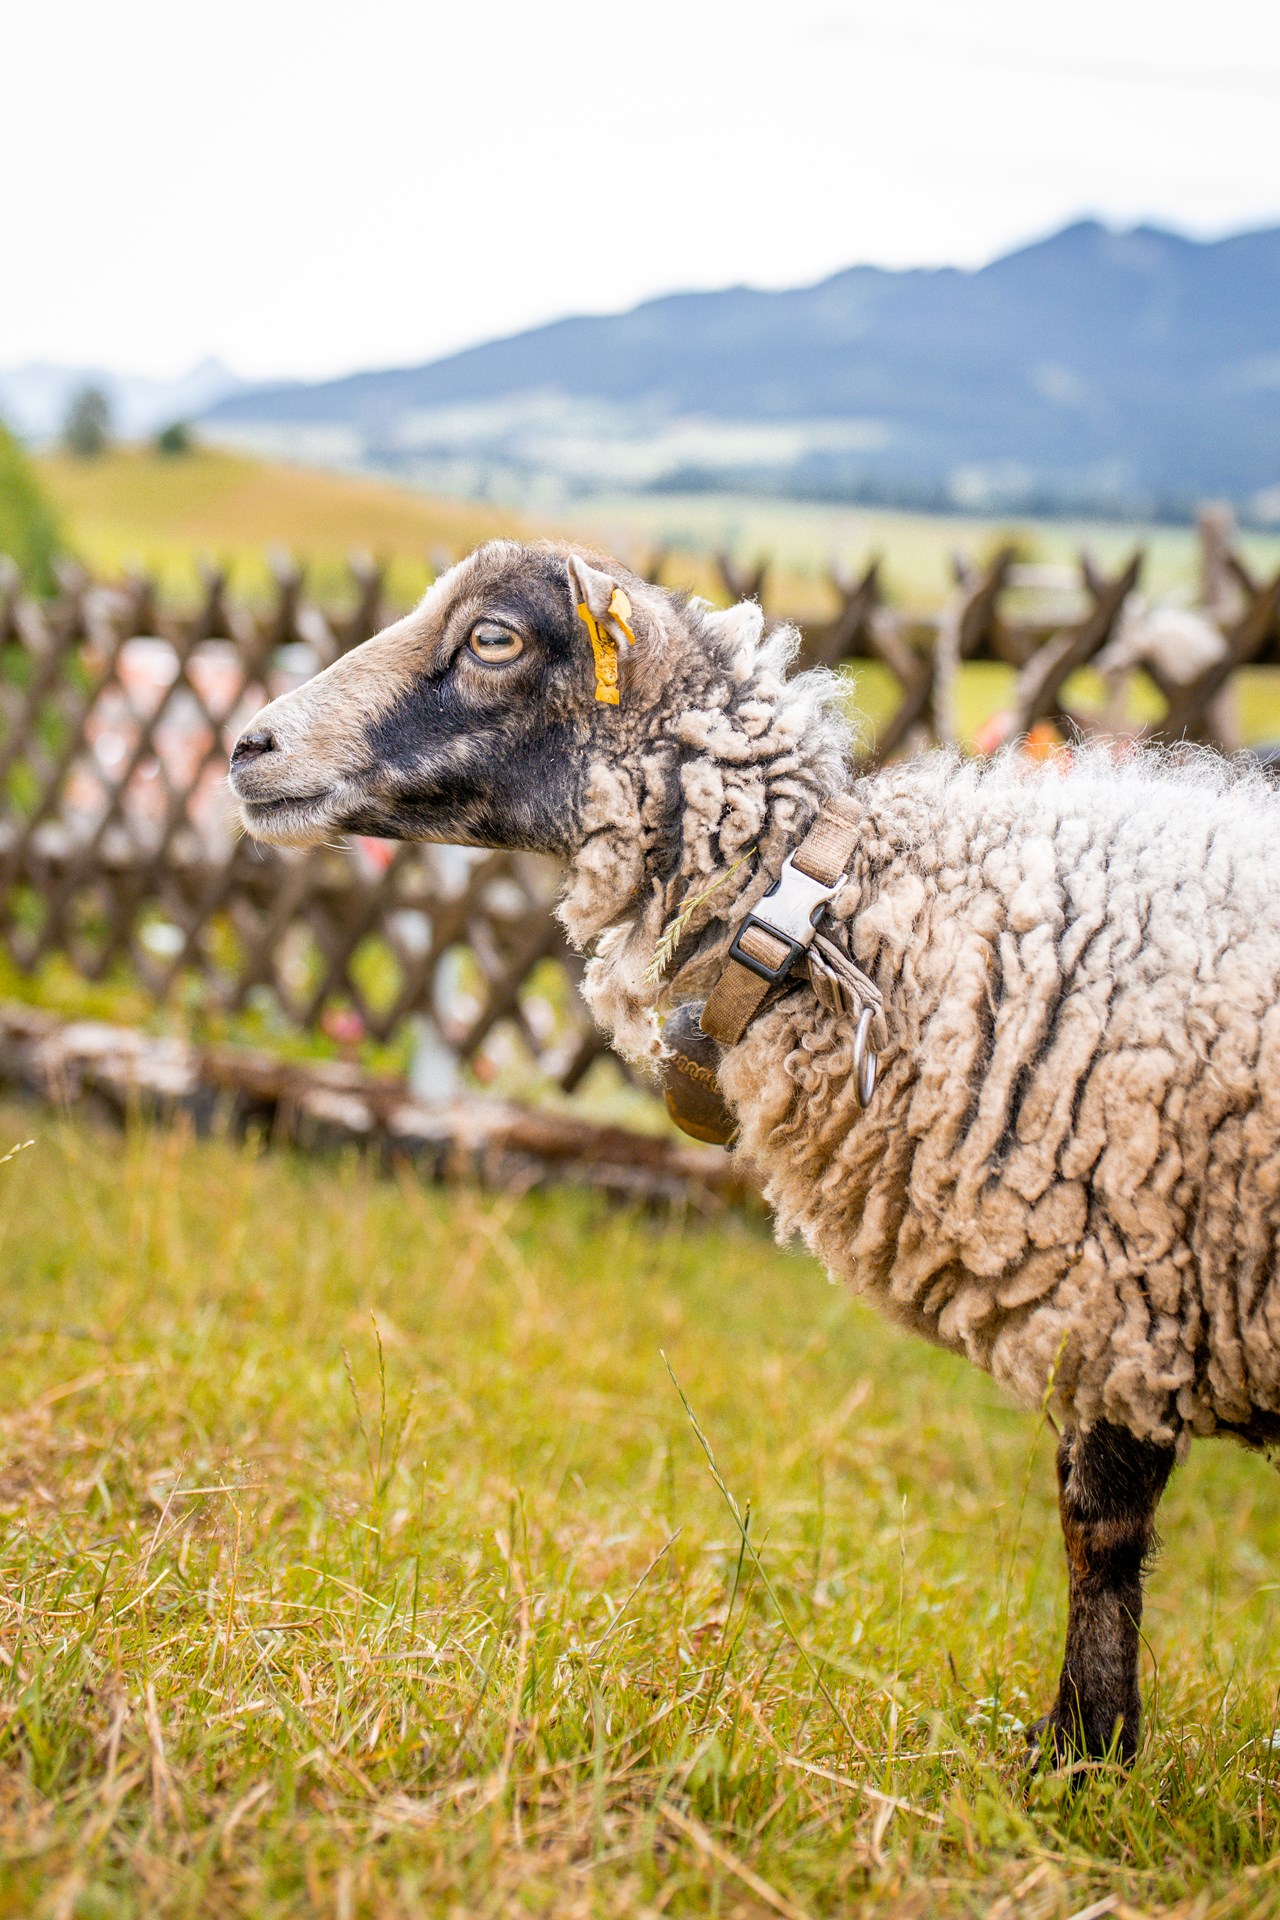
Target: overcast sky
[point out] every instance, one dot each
(308, 188)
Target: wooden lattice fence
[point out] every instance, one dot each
(118, 854)
(117, 849)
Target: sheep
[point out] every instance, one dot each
(1070, 1170)
(1178, 644)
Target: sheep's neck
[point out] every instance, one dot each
(691, 828)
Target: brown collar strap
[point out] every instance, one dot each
(780, 929)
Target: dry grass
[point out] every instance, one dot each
(360, 1558)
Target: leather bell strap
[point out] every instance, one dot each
(738, 995)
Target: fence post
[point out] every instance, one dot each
(966, 630)
(847, 635)
(742, 582)
(10, 588)
(1219, 584)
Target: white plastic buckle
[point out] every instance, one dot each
(788, 911)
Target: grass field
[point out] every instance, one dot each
(917, 548)
(132, 505)
(361, 1558)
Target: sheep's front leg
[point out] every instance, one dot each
(1109, 1485)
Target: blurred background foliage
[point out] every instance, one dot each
(28, 526)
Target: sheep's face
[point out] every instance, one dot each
(471, 720)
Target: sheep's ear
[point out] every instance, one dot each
(605, 610)
(591, 588)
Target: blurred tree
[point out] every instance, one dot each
(175, 439)
(87, 429)
(28, 531)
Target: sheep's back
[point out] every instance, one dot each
(1072, 1168)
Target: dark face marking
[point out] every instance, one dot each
(482, 751)
(466, 722)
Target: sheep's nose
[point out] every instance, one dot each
(251, 744)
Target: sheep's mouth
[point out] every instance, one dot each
(288, 818)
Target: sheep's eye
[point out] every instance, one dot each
(494, 644)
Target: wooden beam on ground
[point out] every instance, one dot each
(119, 1072)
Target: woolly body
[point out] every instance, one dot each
(1071, 1170)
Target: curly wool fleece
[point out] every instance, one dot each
(1070, 1172)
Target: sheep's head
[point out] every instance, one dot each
(474, 718)
(487, 717)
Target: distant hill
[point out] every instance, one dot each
(133, 506)
(1136, 371)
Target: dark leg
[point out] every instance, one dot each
(1109, 1486)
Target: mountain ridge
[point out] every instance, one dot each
(1130, 368)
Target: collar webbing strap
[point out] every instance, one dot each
(780, 927)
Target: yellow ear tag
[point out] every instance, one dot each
(604, 646)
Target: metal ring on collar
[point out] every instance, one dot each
(866, 1061)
